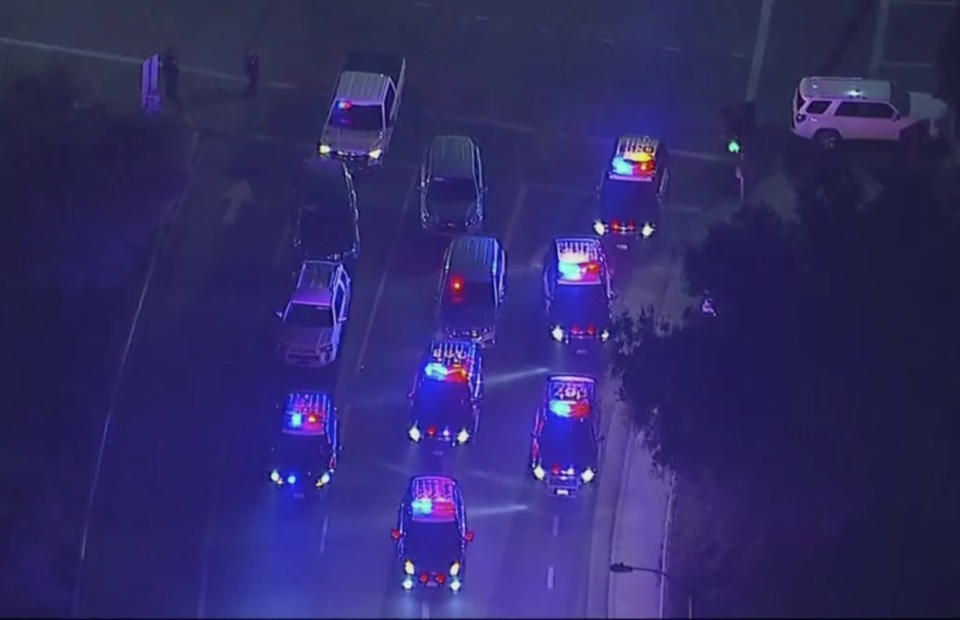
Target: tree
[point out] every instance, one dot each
(817, 404)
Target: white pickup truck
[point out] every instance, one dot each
(363, 112)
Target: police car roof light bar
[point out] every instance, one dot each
(305, 413)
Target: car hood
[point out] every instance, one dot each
(457, 211)
(305, 337)
(926, 106)
(351, 140)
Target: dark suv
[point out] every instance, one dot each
(327, 225)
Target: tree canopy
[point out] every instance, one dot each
(821, 399)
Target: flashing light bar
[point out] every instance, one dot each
(439, 372)
(305, 413)
(578, 271)
(344, 105)
(567, 409)
(433, 499)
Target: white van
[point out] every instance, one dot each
(830, 109)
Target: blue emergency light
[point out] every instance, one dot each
(567, 409)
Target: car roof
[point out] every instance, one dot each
(314, 283)
(845, 88)
(306, 413)
(362, 88)
(451, 352)
(471, 257)
(439, 491)
(451, 156)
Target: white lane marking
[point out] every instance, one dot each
(344, 417)
(115, 393)
(608, 41)
(281, 247)
(386, 271)
(85, 53)
(556, 525)
(515, 215)
(482, 18)
(550, 578)
(423, 4)
(323, 533)
(208, 530)
(759, 49)
(671, 48)
(424, 609)
(238, 195)
(879, 37)
(736, 54)
(947, 4)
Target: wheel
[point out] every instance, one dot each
(827, 139)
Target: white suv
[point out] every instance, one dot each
(830, 109)
(315, 316)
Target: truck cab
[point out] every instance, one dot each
(362, 115)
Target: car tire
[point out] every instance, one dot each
(827, 139)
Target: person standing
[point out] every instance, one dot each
(251, 65)
(171, 74)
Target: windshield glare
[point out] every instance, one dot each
(358, 117)
(451, 189)
(302, 315)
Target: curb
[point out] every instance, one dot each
(667, 520)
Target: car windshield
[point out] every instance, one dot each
(626, 196)
(580, 302)
(435, 401)
(328, 229)
(567, 442)
(451, 189)
(301, 453)
(433, 546)
(358, 117)
(900, 99)
(304, 315)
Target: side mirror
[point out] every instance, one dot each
(278, 314)
(468, 536)
(395, 534)
(896, 116)
(410, 396)
(613, 294)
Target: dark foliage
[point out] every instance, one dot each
(820, 403)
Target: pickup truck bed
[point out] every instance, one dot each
(375, 62)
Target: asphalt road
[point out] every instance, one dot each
(186, 522)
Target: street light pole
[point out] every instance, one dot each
(620, 567)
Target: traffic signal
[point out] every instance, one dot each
(739, 123)
(733, 145)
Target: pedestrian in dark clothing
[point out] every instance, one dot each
(251, 65)
(171, 73)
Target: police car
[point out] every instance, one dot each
(305, 454)
(447, 391)
(632, 190)
(564, 452)
(577, 291)
(431, 534)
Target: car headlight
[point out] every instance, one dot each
(647, 230)
(538, 472)
(275, 476)
(324, 149)
(291, 479)
(587, 475)
(604, 335)
(408, 567)
(407, 583)
(375, 153)
(463, 436)
(455, 585)
(557, 333)
(455, 569)
(324, 479)
(414, 433)
(600, 228)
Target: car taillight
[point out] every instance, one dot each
(440, 578)
(423, 577)
(431, 431)
(555, 470)
(615, 224)
(395, 534)
(591, 330)
(629, 226)
(575, 330)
